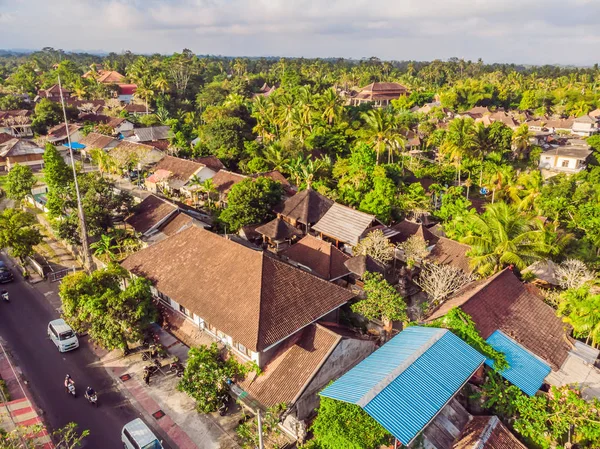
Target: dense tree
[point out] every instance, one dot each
(18, 233)
(97, 304)
(19, 182)
(382, 301)
(251, 201)
(580, 308)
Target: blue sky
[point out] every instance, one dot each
(521, 31)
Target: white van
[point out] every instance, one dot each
(137, 435)
(62, 335)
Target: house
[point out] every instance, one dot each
(379, 94)
(135, 155)
(125, 92)
(304, 209)
(224, 180)
(278, 234)
(150, 134)
(407, 382)
(57, 135)
(264, 91)
(247, 299)
(553, 125)
(97, 141)
(174, 174)
(17, 123)
(117, 124)
(344, 225)
(211, 162)
(585, 126)
(515, 320)
(18, 151)
(137, 109)
(105, 76)
(566, 158)
(301, 367)
(503, 117)
(486, 432)
(318, 257)
(53, 93)
(87, 106)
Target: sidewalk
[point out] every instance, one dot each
(19, 411)
(187, 428)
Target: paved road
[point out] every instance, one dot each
(23, 326)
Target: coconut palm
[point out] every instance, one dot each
(382, 131)
(276, 156)
(581, 309)
(105, 163)
(460, 141)
(161, 83)
(209, 187)
(503, 236)
(331, 105)
(520, 141)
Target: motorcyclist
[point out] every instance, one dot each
(89, 392)
(4, 294)
(68, 381)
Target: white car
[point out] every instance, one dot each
(137, 435)
(62, 335)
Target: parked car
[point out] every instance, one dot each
(5, 274)
(62, 335)
(137, 435)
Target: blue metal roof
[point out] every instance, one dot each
(75, 145)
(525, 371)
(406, 382)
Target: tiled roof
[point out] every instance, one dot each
(324, 259)
(306, 207)
(487, 432)
(278, 229)
(247, 294)
(344, 224)
(144, 154)
(359, 265)
(133, 107)
(19, 147)
(181, 169)
(179, 222)
(60, 131)
(95, 140)
(449, 252)
(407, 229)
(224, 180)
(294, 364)
(382, 91)
(211, 162)
(149, 213)
(108, 77)
(504, 303)
(5, 137)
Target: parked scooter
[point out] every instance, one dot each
(224, 404)
(91, 396)
(4, 295)
(176, 367)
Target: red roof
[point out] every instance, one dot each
(127, 89)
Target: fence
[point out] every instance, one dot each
(58, 275)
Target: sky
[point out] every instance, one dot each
(519, 31)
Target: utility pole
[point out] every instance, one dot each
(260, 436)
(87, 256)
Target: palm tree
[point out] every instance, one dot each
(503, 236)
(520, 140)
(105, 247)
(331, 105)
(276, 157)
(161, 83)
(382, 130)
(460, 140)
(103, 160)
(209, 187)
(581, 309)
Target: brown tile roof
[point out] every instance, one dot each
(95, 140)
(179, 222)
(324, 259)
(247, 294)
(344, 224)
(21, 147)
(211, 162)
(359, 265)
(503, 302)
(449, 252)
(479, 110)
(5, 137)
(407, 229)
(278, 229)
(149, 213)
(133, 107)
(306, 207)
(181, 169)
(224, 180)
(144, 154)
(107, 76)
(487, 432)
(60, 131)
(284, 378)
(382, 91)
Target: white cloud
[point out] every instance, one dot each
(525, 31)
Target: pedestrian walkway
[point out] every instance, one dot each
(19, 413)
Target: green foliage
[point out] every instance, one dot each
(382, 302)
(19, 182)
(66, 437)
(381, 200)
(340, 425)
(251, 201)
(57, 174)
(206, 374)
(462, 325)
(18, 232)
(46, 114)
(545, 421)
(113, 316)
(247, 431)
(580, 308)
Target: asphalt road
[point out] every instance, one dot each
(23, 326)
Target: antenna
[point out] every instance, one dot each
(87, 256)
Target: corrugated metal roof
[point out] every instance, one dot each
(405, 383)
(344, 224)
(526, 371)
(152, 133)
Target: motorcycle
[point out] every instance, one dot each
(224, 407)
(151, 369)
(92, 399)
(176, 367)
(5, 295)
(71, 389)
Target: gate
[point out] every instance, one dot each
(58, 275)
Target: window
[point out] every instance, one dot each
(565, 163)
(184, 310)
(130, 439)
(242, 349)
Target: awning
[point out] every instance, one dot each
(526, 371)
(74, 145)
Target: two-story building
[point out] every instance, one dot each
(585, 126)
(565, 158)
